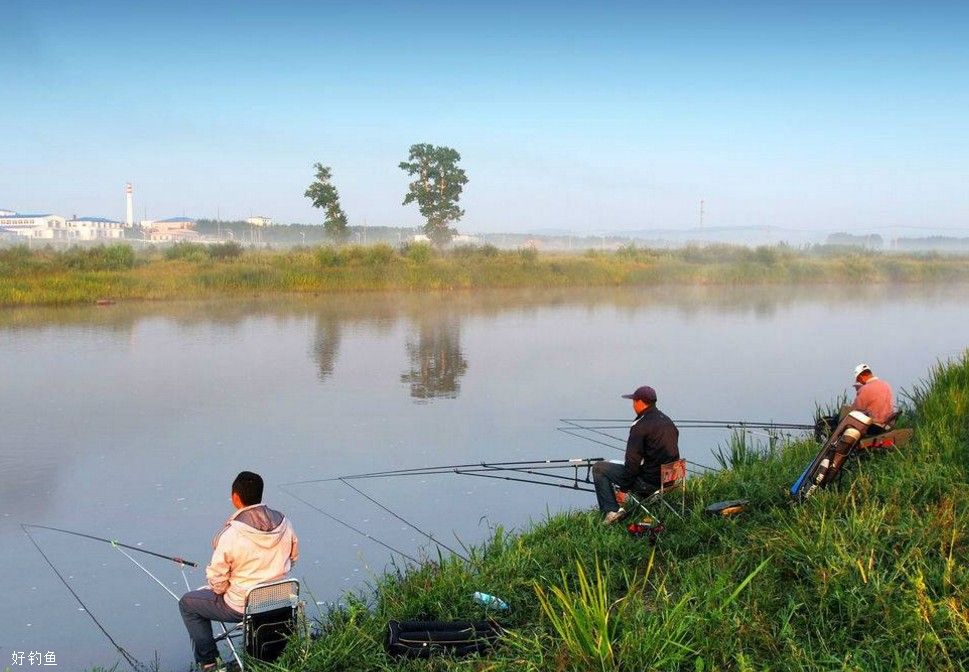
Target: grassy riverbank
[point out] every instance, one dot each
(868, 575)
(48, 277)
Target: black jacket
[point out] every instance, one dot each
(653, 441)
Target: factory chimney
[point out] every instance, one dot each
(129, 217)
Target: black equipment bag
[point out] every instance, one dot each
(423, 639)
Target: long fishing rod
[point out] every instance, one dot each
(405, 521)
(349, 526)
(464, 469)
(522, 480)
(130, 659)
(484, 466)
(693, 424)
(114, 542)
(580, 461)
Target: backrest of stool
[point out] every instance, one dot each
(270, 596)
(672, 474)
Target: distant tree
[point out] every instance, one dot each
(324, 196)
(436, 188)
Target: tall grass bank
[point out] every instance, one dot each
(869, 574)
(191, 271)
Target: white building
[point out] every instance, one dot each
(4, 213)
(90, 228)
(173, 230)
(32, 226)
(260, 220)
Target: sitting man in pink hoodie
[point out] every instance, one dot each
(256, 545)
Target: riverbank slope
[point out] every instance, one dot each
(868, 575)
(187, 271)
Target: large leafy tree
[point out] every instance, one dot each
(324, 196)
(437, 186)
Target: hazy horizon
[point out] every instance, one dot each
(617, 117)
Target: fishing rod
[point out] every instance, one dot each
(484, 466)
(576, 486)
(418, 471)
(129, 658)
(114, 542)
(692, 424)
(440, 544)
(474, 468)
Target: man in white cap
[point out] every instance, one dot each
(653, 441)
(874, 396)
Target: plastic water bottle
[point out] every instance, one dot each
(490, 601)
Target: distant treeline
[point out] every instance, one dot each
(938, 243)
(876, 242)
(231, 268)
(298, 234)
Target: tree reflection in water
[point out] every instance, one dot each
(436, 360)
(326, 343)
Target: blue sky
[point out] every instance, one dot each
(580, 116)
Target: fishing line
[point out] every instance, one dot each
(566, 430)
(702, 466)
(131, 660)
(404, 520)
(348, 525)
(142, 568)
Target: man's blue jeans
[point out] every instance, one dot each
(199, 608)
(605, 474)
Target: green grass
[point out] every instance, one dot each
(192, 271)
(867, 575)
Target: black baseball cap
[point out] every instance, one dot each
(644, 393)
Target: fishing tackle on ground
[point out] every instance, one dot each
(829, 460)
(728, 508)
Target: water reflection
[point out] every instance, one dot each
(326, 344)
(436, 360)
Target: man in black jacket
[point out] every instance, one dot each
(653, 442)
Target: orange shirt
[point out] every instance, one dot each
(875, 399)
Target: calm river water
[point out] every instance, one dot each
(130, 421)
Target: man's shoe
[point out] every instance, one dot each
(217, 666)
(613, 517)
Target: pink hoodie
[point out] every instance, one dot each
(875, 399)
(256, 545)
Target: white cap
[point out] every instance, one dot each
(861, 368)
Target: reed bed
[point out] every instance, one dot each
(868, 575)
(189, 271)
